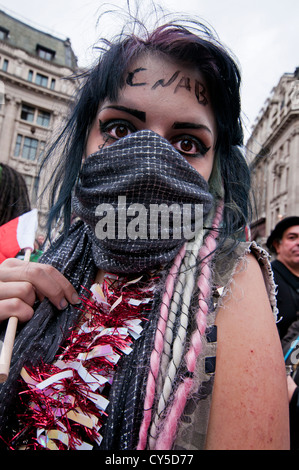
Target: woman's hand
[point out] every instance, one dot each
(21, 283)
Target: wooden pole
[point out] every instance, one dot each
(9, 338)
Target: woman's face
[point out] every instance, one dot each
(167, 98)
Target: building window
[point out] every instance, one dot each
(5, 65)
(34, 115)
(18, 146)
(26, 147)
(29, 148)
(27, 113)
(43, 118)
(45, 53)
(41, 80)
(3, 33)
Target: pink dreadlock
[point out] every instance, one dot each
(164, 440)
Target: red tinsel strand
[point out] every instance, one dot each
(53, 408)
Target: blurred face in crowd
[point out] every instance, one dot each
(287, 249)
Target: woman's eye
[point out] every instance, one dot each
(116, 129)
(119, 131)
(187, 146)
(190, 146)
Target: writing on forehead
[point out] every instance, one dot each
(177, 80)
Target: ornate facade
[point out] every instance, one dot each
(35, 94)
(273, 153)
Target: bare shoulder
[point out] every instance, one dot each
(249, 403)
(247, 290)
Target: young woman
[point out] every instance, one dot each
(135, 365)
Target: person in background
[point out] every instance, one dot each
(39, 244)
(284, 243)
(40, 240)
(14, 201)
(14, 198)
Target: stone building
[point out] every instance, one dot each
(35, 95)
(273, 152)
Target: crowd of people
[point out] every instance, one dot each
(143, 342)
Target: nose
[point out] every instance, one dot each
(158, 130)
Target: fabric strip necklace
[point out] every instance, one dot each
(68, 399)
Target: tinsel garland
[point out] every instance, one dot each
(65, 401)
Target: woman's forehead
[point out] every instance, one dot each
(153, 72)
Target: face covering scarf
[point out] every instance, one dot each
(79, 257)
(141, 174)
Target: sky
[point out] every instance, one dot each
(261, 34)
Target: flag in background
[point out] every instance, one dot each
(18, 234)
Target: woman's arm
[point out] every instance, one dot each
(250, 400)
(21, 283)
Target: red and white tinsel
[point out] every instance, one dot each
(66, 401)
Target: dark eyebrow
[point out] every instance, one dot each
(134, 112)
(190, 125)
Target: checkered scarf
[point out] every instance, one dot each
(146, 171)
